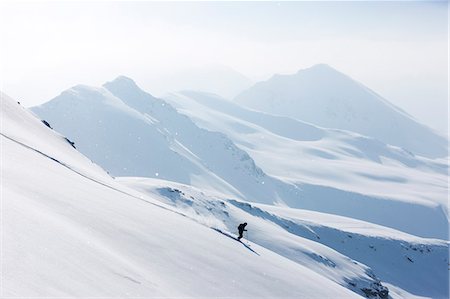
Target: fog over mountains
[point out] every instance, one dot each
(326, 97)
(344, 194)
(123, 128)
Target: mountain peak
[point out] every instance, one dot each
(326, 97)
(321, 66)
(125, 88)
(320, 69)
(82, 88)
(122, 81)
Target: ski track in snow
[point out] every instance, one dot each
(234, 238)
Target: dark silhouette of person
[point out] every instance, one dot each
(241, 229)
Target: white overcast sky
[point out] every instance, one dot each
(398, 49)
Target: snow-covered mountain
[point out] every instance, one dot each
(399, 260)
(70, 230)
(326, 97)
(131, 133)
(336, 171)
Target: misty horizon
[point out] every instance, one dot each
(293, 149)
(205, 46)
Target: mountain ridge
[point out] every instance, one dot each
(331, 166)
(115, 241)
(326, 97)
(121, 239)
(153, 140)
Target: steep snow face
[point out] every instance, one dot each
(336, 171)
(121, 139)
(323, 96)
(131, 133)
(20, 124)
(70, 230)
(207, 102)
(353, 253)
(66, 234)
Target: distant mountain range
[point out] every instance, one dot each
(69, 228)
(336, 171)
(131, 133)
(326, 97)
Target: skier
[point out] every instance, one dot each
(241, 229)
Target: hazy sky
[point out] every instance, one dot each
(398, 49)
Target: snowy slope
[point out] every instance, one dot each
(345, 250)
(336, 171)
(131, 133)
(19, 124)
(323, 96)
(70, 230)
